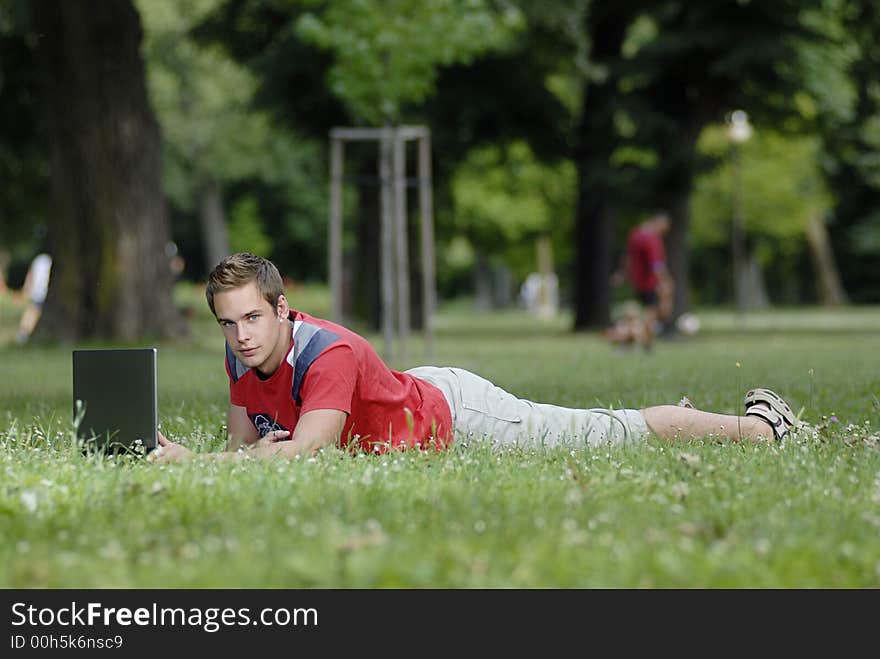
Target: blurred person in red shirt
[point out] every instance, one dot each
(645, 268)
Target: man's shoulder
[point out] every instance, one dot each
(301, 318)
(319, 347)
(642, 235)
(306, 325)
(316, 338)
(636, 237)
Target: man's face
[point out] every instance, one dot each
(661, 223)
(257, 334)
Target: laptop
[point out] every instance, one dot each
(115, 391)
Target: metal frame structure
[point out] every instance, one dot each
(394, 246)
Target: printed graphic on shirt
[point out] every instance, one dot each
(265, 424)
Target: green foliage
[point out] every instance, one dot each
(387, 51)
(212, 131)
(823, 65)
(205, 105)
(246, 229)
(865, 236)
(202, 99)
(23, 166)
(848, 129)
(562, 46)
(690, 515)
(503, 194)
(504, 197)
(781, 188)
(798, 67)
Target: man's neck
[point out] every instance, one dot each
(281, 349)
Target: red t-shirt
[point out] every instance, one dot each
(331, 367)
(645, 257)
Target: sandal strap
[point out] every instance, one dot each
(776, 421)
(773, 400)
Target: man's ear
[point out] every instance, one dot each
(282, 309)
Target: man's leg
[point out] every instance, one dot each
(482, 410)
(28, 321)
(651, 317)
(673, 423)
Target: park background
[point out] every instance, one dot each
(130, 130)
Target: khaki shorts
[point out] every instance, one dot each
(480, 410)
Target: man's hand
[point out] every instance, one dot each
(314, 430)
(168, 451)
(271, 438)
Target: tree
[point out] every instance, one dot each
(107, 220)
(692, 65)
(636, 82)
(216, 143)
(595, 142)
(198, 98)
(325, 64)
(23, 184)
(841, 75)
(387, 52)
(784, 197)
(642, 79)
(504, 200)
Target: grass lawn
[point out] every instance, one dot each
(801, 514)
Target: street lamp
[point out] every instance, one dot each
(739, 130)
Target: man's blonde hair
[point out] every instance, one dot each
(237, 270)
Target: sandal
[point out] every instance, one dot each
(686, 402)
(777, 412)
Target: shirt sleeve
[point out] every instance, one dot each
(234, 397)
(330, 381)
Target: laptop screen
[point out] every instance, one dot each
(117, 388)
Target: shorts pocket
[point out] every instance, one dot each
(479, 395)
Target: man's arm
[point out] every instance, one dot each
(314, 430)
(239, 429)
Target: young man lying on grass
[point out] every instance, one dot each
(298, 383)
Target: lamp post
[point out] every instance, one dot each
(739, 130)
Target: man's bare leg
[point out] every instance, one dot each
(649, 321)
(28, 322)
(673, 422)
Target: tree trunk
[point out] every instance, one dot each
(593, 256)
(830, 289)
(482, 282)
(215, 235)
(673, 190)
(361, 300)
(677, 257)
(107, 222)
(502, 286)
(595, 144)
(4, 266)
(751, 289)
